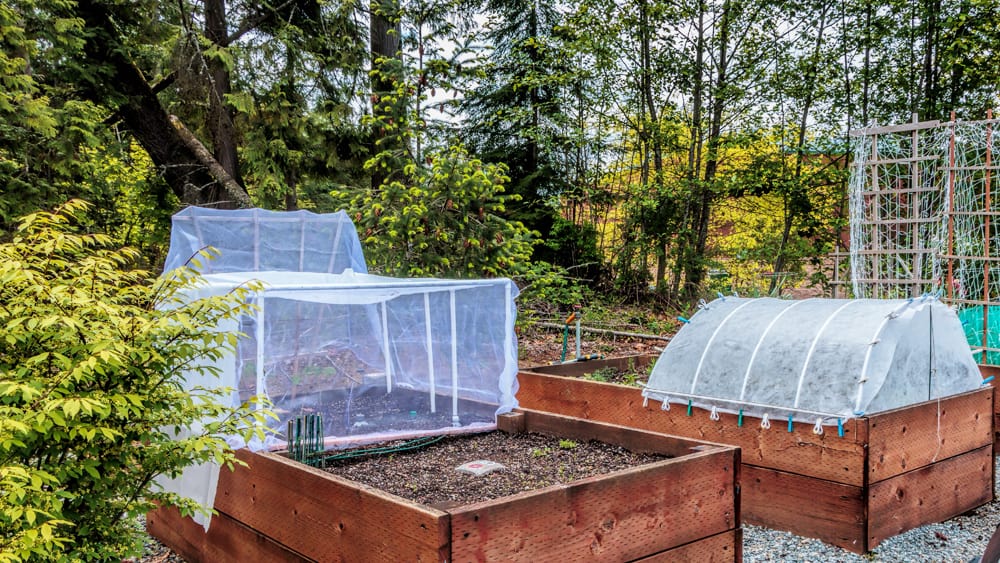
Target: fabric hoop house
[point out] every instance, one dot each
(814, 360)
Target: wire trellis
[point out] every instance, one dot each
(923, 220)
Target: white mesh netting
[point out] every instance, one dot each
(375, 358)
(253, 240)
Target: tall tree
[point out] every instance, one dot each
(517, 114)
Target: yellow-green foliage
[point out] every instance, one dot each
(442, 220)
(92, 354)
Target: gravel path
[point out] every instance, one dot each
(958, 540)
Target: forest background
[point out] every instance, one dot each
(640, 150)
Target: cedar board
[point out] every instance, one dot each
(278, 510)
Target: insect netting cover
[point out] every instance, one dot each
(253, 240)
(367, 358)
(815, 360)
(377, 357)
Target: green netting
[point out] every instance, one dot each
(972, 323)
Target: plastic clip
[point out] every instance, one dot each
(765, 423)
(989, 379)
(818, 429)
(739, 419)
(689, 407)
(683, 320)
(840, 428)
(790, 426)
(714, 415)
(645, 402)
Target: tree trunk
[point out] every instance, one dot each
(791, 207)
(384, 33)
(220, 115)
(188, 176)
(695, 273)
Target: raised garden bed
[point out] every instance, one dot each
(685, 508)
(890, 472)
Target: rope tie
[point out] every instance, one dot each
(714, 415)
(665, 405)
(765, 423)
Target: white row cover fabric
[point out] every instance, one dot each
(253, 240)
(379, 358)
(815, 359)
(351, 346)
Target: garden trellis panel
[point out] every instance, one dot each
(924, 220)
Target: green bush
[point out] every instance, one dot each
(445, 220)
(92, 357)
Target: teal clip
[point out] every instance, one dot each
(840, 428)
(739, 421)
(790, 427)
(689, 407)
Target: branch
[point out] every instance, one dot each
(251, 22)
(236, 192)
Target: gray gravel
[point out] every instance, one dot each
(954, 541)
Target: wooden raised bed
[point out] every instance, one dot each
(890, 472)
(681, 509)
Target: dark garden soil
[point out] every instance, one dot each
(532, 461)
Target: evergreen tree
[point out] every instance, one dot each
(518, 112)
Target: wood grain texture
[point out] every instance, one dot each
(579, 369)
(633, 439)
(726, 547)
(621, 516)
(805, 505)
(226, 540)
(328, 518)
(828, 456)
(932, 493)
(994, 371)
(904, 439)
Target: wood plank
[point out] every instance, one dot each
(615, 517)
(180, 534)
(993, 371)
(828, 456)
(904, 127)
(633, 439)
(726, 547)
(580, 369)
(904, 439)
(804, 505)
(326, 517)
(930, 494)
(226, 540)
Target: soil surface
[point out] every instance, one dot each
(531, 461)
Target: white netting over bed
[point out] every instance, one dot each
(357, 357)
(254, 240)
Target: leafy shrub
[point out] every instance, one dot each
(92, 357)
(446, 219)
